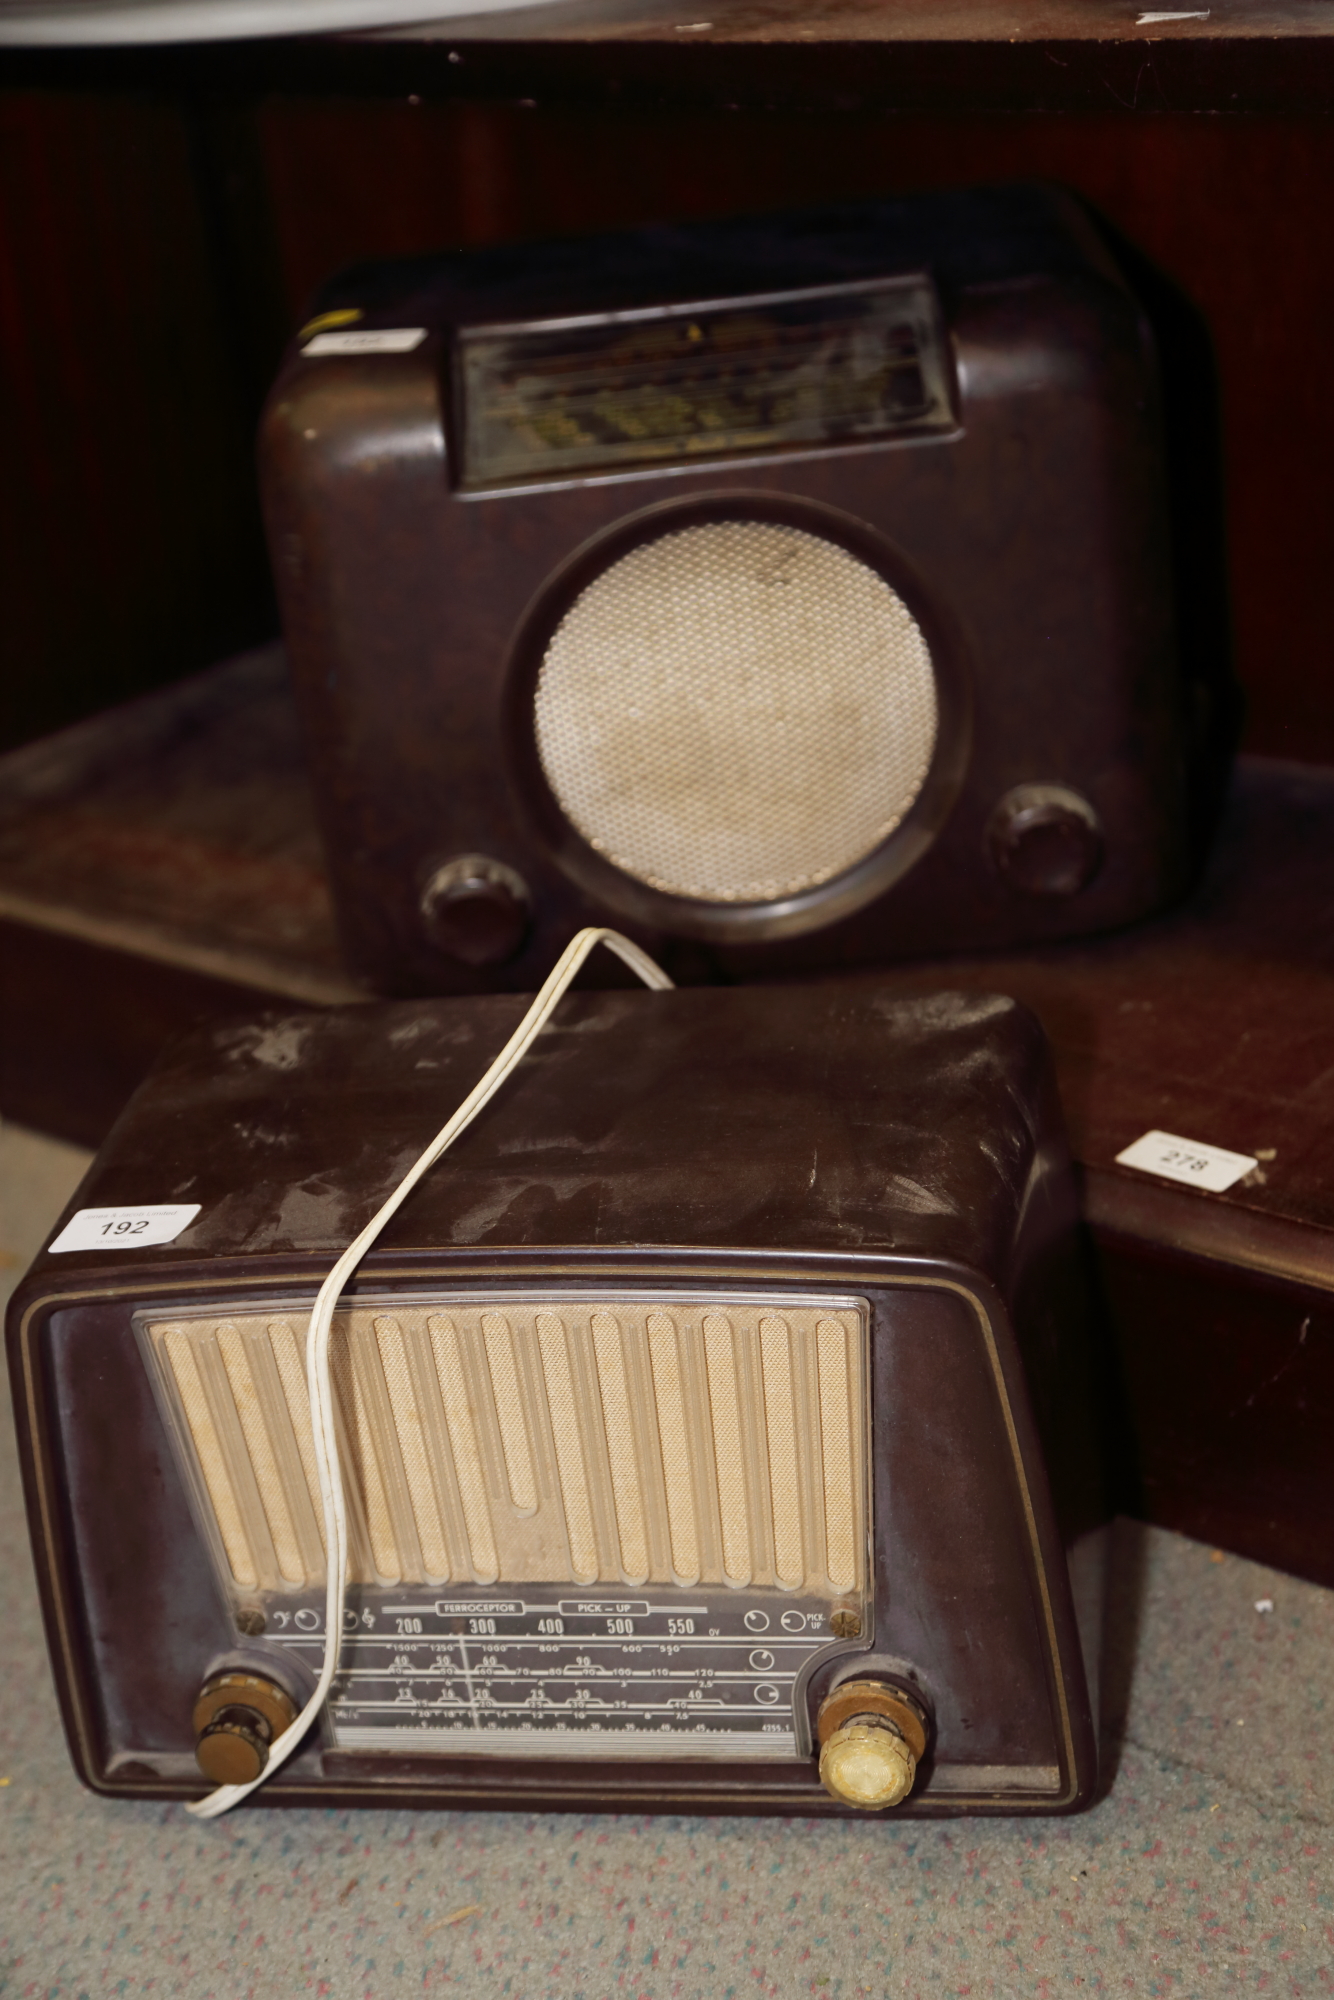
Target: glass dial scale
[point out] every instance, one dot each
(550, 1673)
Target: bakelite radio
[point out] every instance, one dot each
(714, 1418)
(791, 593)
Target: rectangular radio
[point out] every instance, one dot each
(714, 1419)
(791, 592)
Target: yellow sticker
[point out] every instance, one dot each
(344, 316)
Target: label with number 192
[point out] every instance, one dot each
(126, 1228)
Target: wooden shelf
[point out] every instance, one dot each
(959, 57)
(896, 23)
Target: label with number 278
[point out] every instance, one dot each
(1212, 1168)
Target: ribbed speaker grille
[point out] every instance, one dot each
(736, 711)
(604, 1442)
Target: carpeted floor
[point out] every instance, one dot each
(1207, 1869)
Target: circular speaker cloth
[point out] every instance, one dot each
(736, 711)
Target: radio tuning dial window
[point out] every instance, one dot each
(840, 364)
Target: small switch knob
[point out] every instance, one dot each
(236, 1718)
(476, 910)
(1045, 840)
(872, 1735)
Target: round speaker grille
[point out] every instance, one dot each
(736, 711)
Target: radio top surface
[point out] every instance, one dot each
(812, 1119)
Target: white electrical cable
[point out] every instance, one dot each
(319, 1383)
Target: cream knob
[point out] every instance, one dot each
(866, 1763)
(871, 1736)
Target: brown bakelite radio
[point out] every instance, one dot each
(715, 1417)
(789, 593)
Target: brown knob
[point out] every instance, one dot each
(236, 1718)
(871, 1736)
(476, 910)
(234, 1749)
(1045, 840)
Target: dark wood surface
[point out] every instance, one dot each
(158, 865)
(980, 22)
(179, 827)
(1215, 1020)
(1242, 57)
